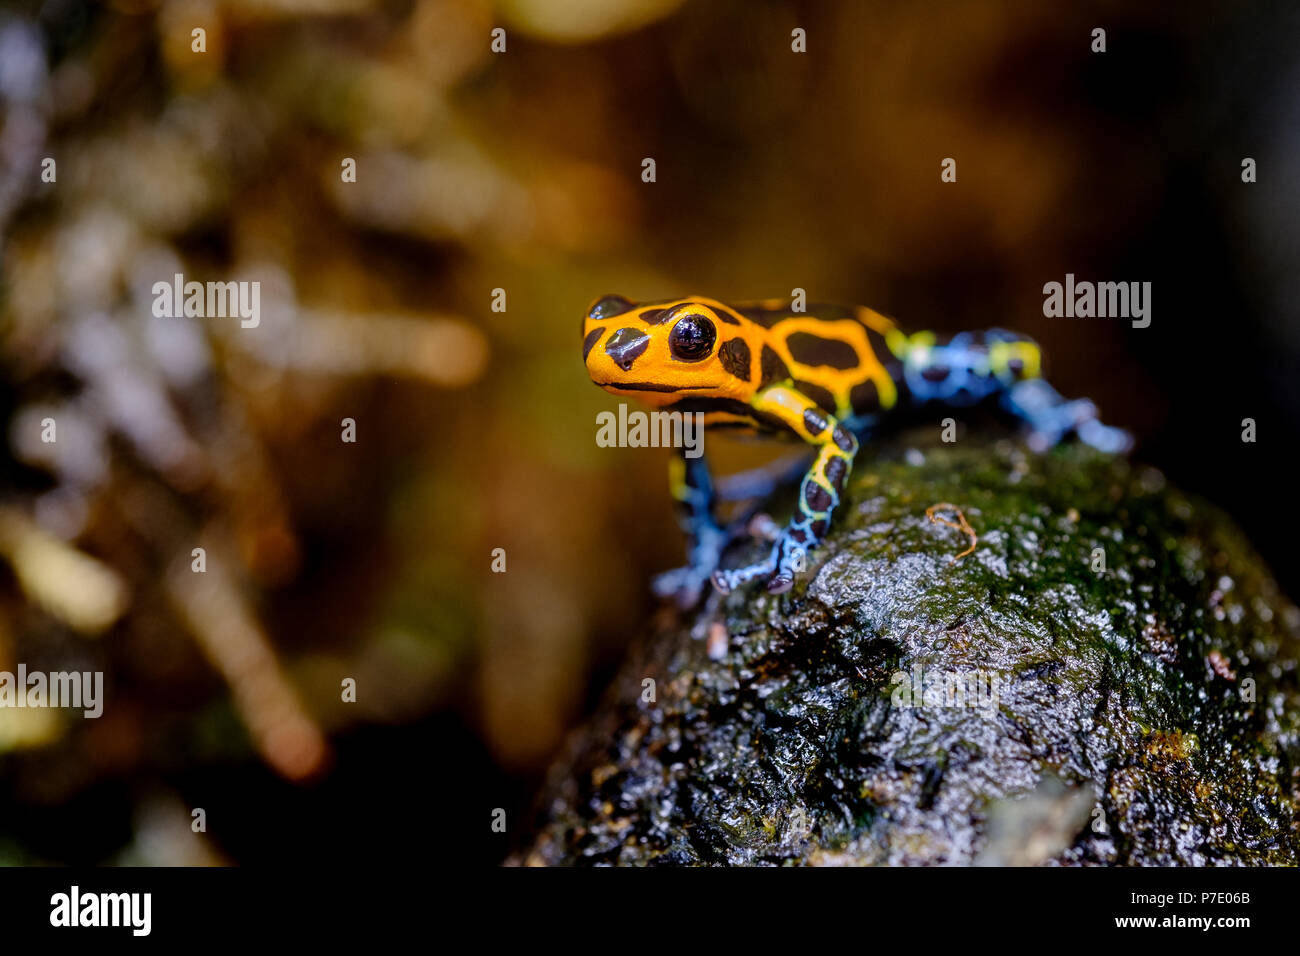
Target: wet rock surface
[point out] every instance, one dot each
(1109, 678)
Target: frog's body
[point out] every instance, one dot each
(825, 375)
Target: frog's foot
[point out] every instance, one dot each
(684, 585)
(1051, 418)
(787, 557)
(1106, 438)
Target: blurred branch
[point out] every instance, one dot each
(82, 592)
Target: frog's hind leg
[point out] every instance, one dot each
(1051, 417)
(972, 366)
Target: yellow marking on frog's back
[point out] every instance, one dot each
(837, 381)
(875, 321)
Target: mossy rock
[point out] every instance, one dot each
(1141, 714)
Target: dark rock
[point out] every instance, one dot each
(1141, 714)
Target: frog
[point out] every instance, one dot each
(829, 376)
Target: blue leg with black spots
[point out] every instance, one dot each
(692, 487)
(1051, 418)
(972, 366)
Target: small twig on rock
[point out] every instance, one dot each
(963, 527)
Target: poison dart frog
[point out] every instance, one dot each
(826, 375)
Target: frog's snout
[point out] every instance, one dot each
(625, 346)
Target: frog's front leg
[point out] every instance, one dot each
(692, 487)
(818, 495)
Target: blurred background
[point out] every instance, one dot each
(475, 429)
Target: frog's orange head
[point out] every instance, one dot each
(664, 351)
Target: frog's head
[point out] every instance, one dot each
(664, 351)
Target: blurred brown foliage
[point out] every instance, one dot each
(476, 171)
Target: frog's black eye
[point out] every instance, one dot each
(692, 338)
(607, 306)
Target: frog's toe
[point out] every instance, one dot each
(682, 586)
(728, 580)
(780, 582)
(1105, 438)
(776, 567)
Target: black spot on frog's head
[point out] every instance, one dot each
(735, 358)
(595, 323)
(626, 345)
(606, 307)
